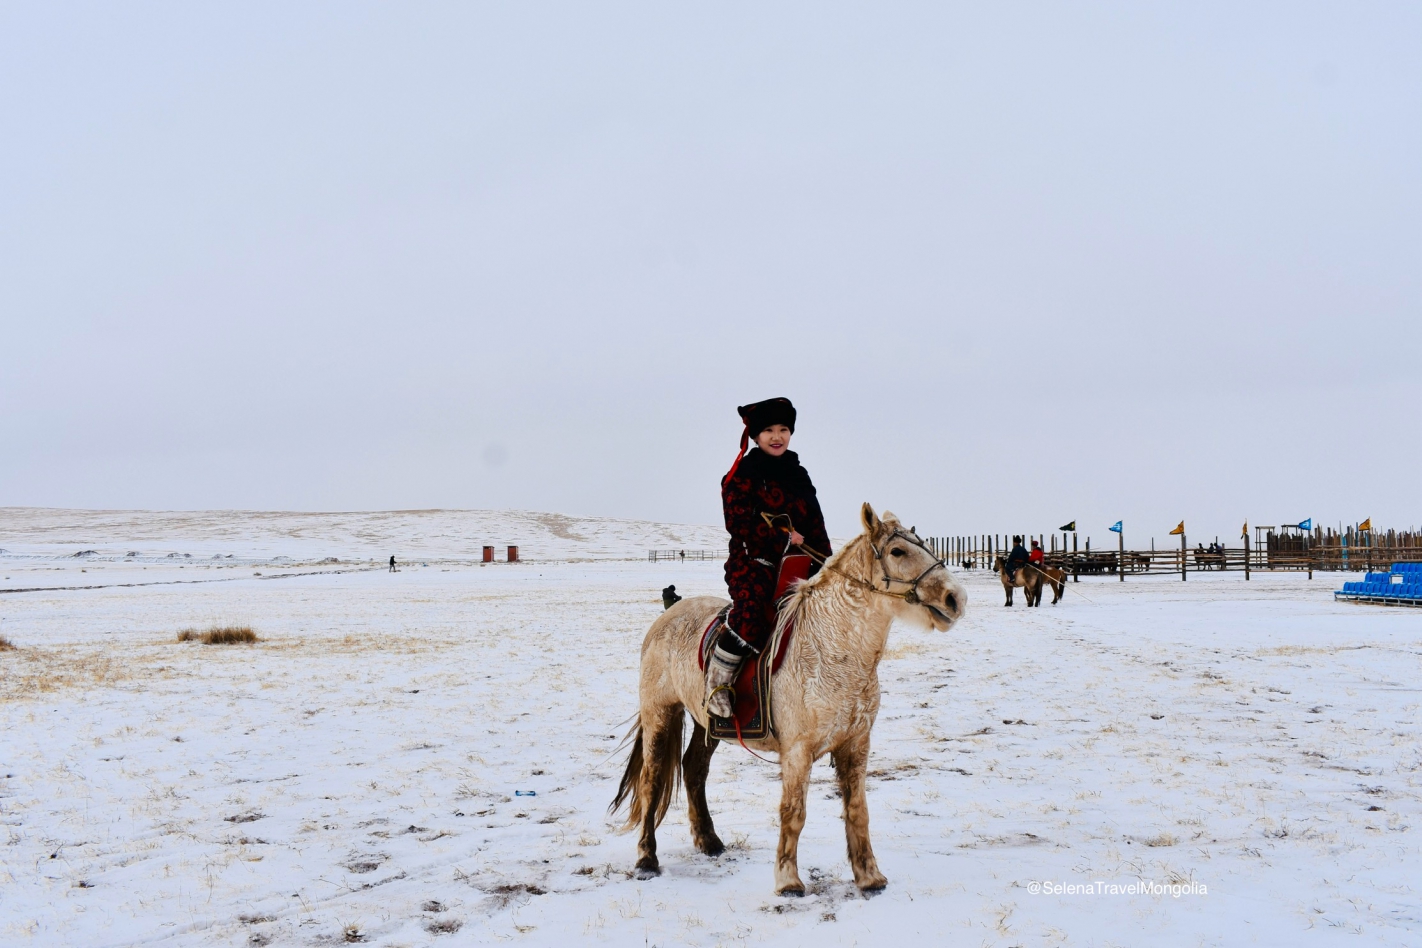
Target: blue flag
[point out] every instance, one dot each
(1306, 524)
(1117, 527)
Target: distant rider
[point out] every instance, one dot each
(1016, 558)
(1036, 556)
(768, 479)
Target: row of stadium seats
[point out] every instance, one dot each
(1403, 590)
(1403, 583)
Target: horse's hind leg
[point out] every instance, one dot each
(695, 766)
(850, 762)
(661, 753)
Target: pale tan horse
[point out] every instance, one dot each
(1027, 579)
(825, 697)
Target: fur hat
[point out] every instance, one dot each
(761, 415)
(757, 417)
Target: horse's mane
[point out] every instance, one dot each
(804, 591)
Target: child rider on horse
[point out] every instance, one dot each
(766, 480)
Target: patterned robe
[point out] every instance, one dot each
(761, 483)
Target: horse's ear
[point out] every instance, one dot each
(871, 520)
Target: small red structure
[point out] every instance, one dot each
(513, 554)
(488, 554)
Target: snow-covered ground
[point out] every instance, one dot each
(360, 773)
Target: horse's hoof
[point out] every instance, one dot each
(711, 846)
(874, 888)
(792, 891)
(643, 873)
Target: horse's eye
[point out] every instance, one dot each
(896, 552)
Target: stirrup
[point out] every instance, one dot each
(717, 690)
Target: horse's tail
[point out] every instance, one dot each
(665, 759)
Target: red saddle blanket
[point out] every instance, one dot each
(753, 719)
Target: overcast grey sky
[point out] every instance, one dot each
(1015, 263)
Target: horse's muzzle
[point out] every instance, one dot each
(950, 612)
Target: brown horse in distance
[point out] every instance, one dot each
(1054, 577)
(1027, 579)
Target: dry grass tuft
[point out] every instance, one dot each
(34, 671)
(6, 645)
(220, 635)
(229, 635)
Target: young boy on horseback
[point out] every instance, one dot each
(766, 480)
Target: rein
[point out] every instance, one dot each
(909, 596)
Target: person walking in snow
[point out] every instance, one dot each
(392, 563)
(766, 480)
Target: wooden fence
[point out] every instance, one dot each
(1323, 550)
(684, 555)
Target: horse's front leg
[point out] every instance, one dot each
(850, 762)
(1009, 593)
(795, 764)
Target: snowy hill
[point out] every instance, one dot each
(407, 534)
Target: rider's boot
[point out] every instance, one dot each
(720, 673)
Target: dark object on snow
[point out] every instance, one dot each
(392, 564)
(669, 597)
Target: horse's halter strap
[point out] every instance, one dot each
(909, 596)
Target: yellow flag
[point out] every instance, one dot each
(1178, 530)
(1244, 530)
(1366, 524)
